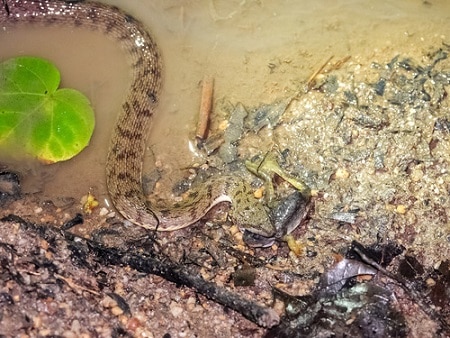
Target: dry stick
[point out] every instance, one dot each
(337, 65)
(340, 62)
(151, 263)
(309, 83)
(74, 286)
(205, 108)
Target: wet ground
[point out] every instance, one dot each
(370, 257)
(369, 134)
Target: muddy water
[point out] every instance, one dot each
(256, 51)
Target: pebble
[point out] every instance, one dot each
(223, 125)
(401, 209)
(76, 327)
(430, 282)
(259, 193)
(342, 173)
(175, 309)
(416, 174)
(116, 310)
(103, 212)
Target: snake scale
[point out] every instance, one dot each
(125, 157)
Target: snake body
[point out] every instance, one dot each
(125, 157)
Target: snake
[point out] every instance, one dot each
(127, 146)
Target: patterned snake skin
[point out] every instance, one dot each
(124, 163)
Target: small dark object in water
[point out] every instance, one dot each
(267, 115)
(5, 5)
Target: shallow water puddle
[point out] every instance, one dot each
(256, 51)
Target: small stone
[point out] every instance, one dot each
(314, 193)
(342, 173)
(259, 193)
(430, 282)
(234, 230)
(191, 303)
(116, 311)
(223, 125)
(416, 174)
(401, 209)
(37, 322)
(103, 212)
(175, 309)
(76, 327)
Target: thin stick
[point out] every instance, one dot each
(309, 83)
(75, 286)
(205, 108)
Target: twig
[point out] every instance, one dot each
(74, 286)
(310, 81)
(205, 108)
(338, 64)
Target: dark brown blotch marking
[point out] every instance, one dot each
(139, 63)
(109, 26)
(120, 156)
(127, 177)
(122, 176)
(131, 193)
(144, 112)
(125, 133)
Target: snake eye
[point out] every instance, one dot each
(257, 241)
